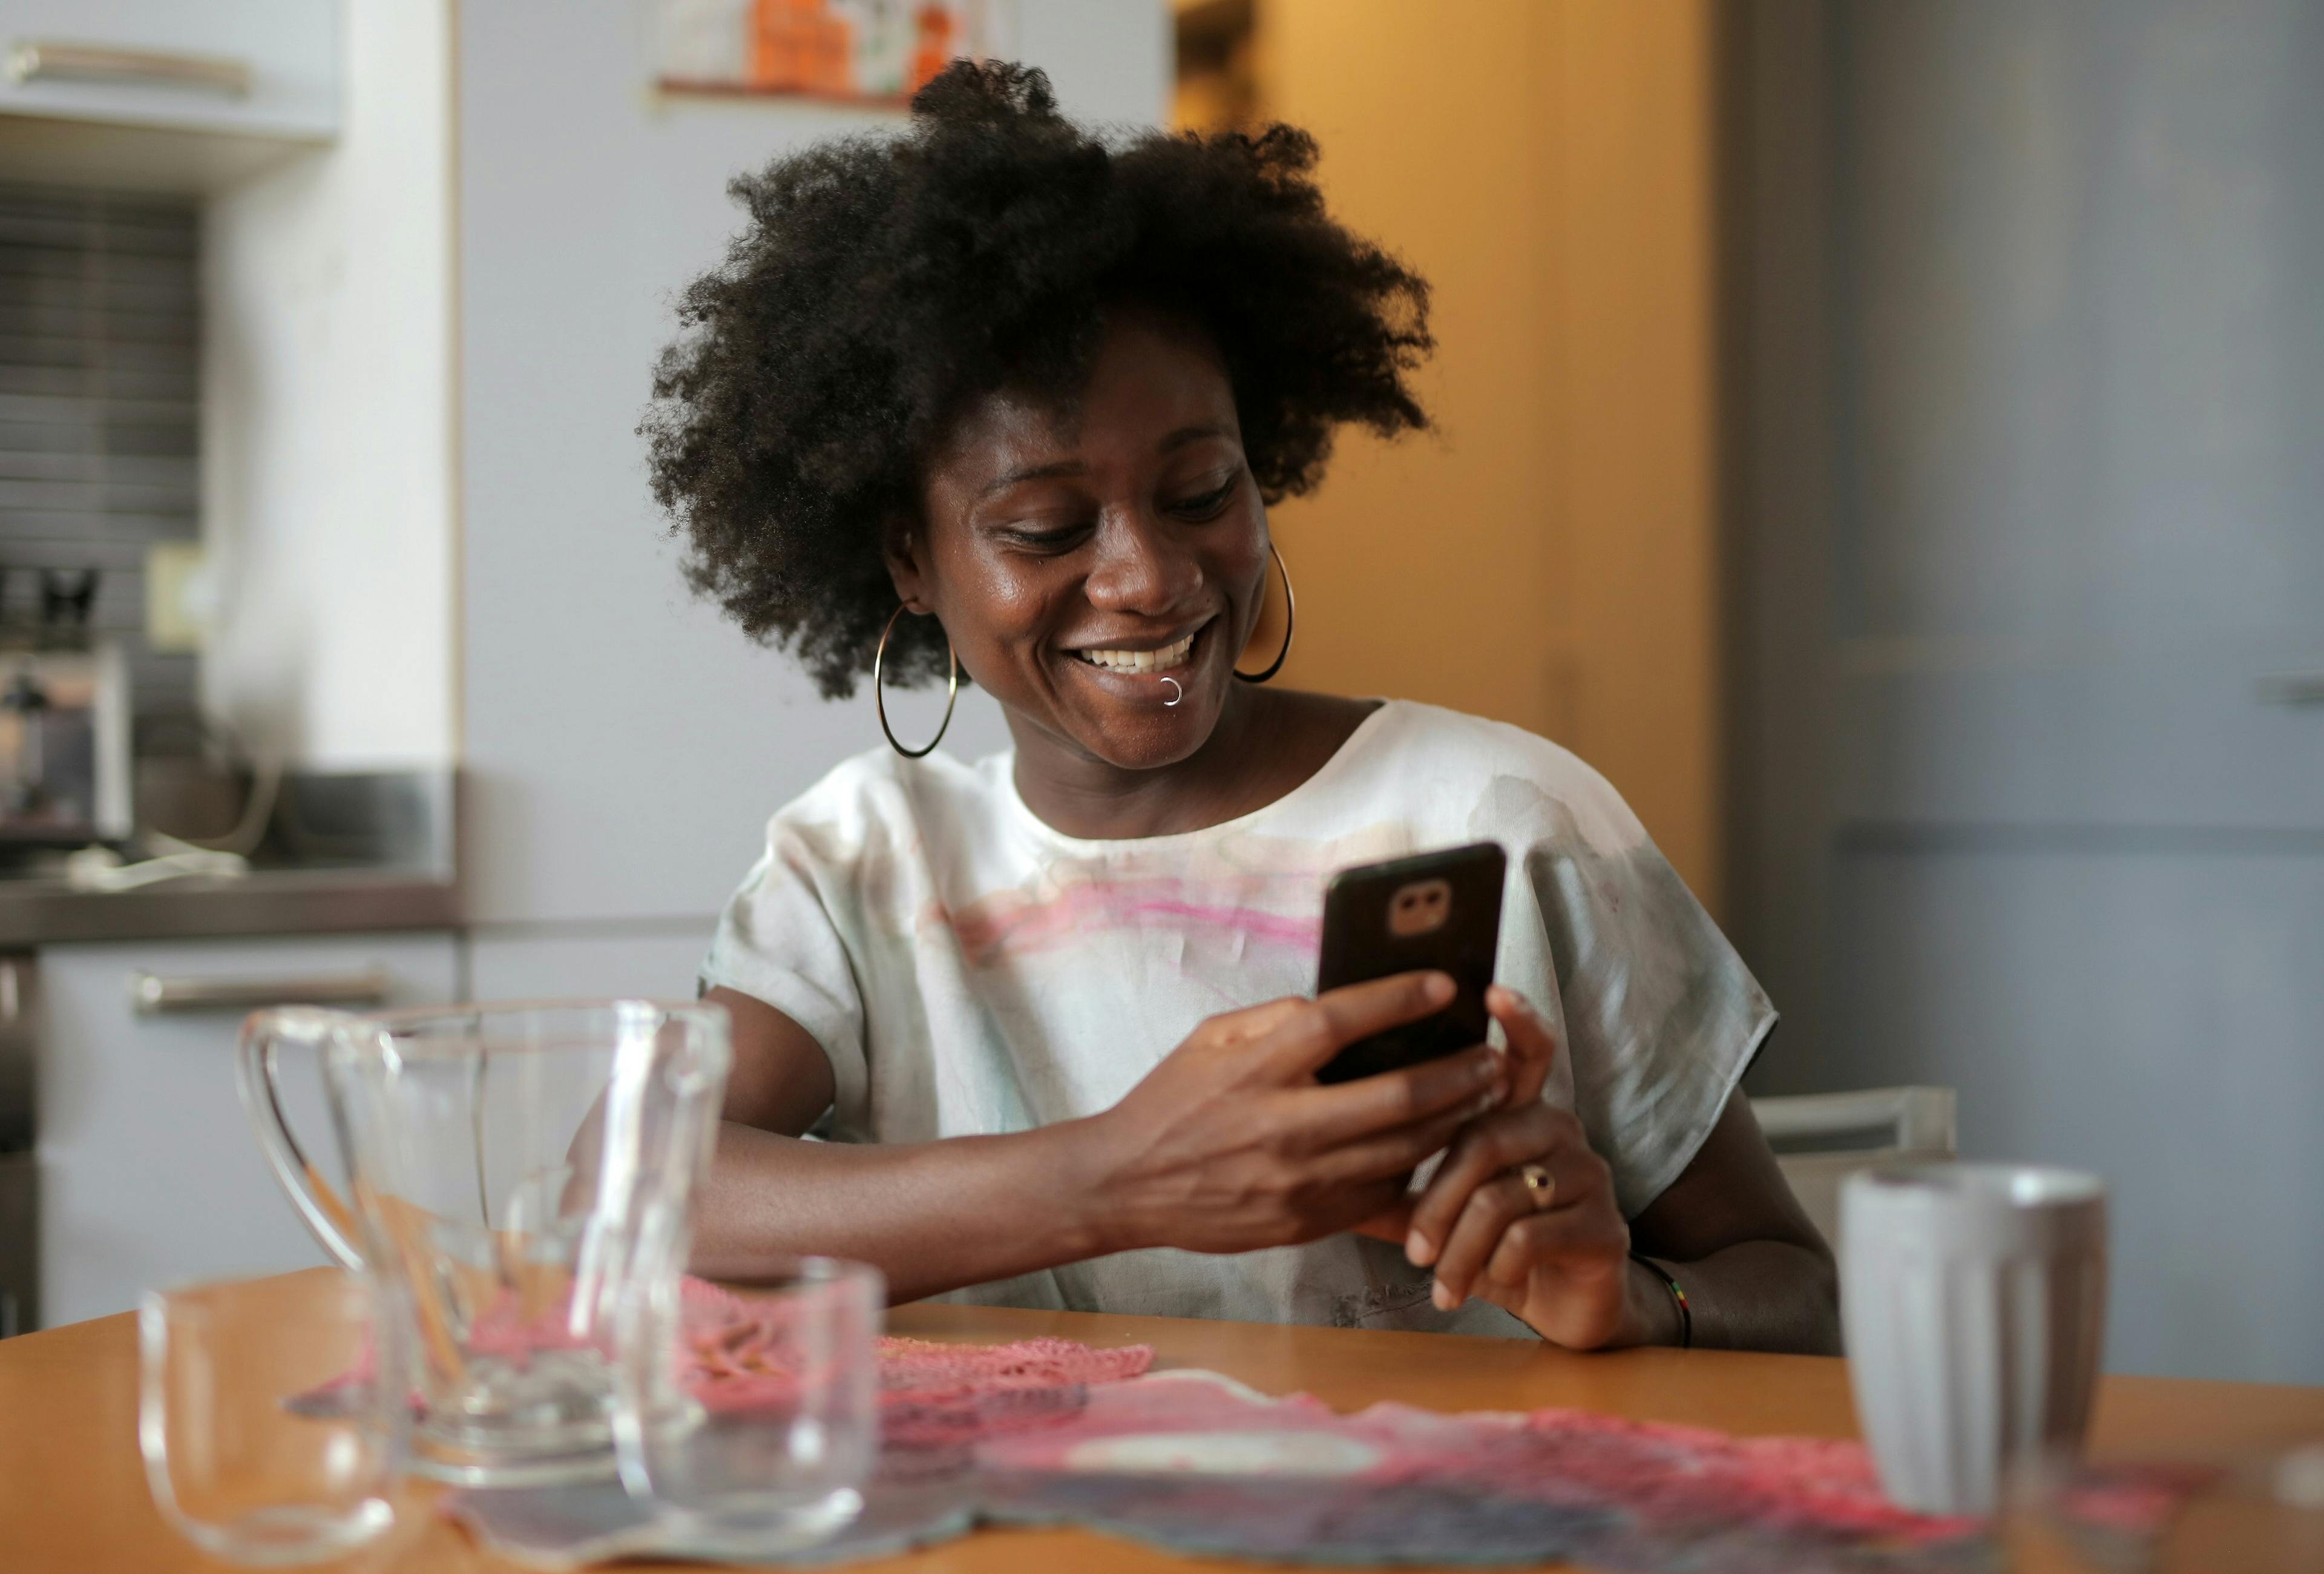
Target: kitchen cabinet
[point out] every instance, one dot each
(255, 67)
(148, 1171)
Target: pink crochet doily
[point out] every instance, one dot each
(740, 1356)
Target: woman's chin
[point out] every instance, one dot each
(1129, 719)
(1152, 749)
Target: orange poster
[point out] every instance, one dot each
(874, 51)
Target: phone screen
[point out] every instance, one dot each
(1441, 910)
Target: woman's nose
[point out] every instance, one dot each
(1141, 567)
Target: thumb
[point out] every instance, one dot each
(1533, 1047)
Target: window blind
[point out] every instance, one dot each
(99, 334)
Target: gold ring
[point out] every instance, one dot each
(1539, 1184)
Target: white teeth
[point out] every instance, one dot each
(1161, 660)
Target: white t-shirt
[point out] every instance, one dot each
(970, 970)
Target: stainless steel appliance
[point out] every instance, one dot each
(64, 744)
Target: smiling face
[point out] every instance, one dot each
(1088, 562)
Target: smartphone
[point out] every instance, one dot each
(1439, 911)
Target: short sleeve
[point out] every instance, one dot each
(1661, 1017)
(777, 942)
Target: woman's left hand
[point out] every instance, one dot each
(1559, 1261)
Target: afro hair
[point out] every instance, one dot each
(882, 280)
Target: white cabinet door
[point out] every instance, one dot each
(154, 63)
(149, 1171)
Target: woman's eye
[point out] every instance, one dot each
(1203, 505)
(1061, 538)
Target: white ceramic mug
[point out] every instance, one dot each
(1973, 1298)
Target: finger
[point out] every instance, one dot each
(1505, 1202)
(1522, 1132)
(1305, 1039)
(1594, 1233)
(1463, 1086)
(1532, 1046)
(1529, 1241)
(1347, 1206)
(1371, 1198)
(1490, 1210)
(1397, 1152)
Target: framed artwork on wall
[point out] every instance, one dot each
(873, 52)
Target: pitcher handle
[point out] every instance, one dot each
(326, 1215)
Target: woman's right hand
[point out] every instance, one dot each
(1230, 1144)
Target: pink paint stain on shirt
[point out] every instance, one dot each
(1014, 923)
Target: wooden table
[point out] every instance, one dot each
(73, 1498)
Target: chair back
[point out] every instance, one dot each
(1822, 1138)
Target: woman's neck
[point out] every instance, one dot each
(1267, 741)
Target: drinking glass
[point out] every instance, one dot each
(273, 1416)
(778, 1427)
(2169, 1506)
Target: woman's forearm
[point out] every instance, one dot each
(932, 1217)
(1754, 1295)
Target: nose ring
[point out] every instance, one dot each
(1177, 691)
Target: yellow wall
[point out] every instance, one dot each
(1548, 558)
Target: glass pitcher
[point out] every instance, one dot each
(499, 1163)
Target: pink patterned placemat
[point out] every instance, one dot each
(1052, 1432)
(1198, 1463)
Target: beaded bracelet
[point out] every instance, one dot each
(1678, 1295)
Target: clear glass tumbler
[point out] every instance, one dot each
(2171, 1505)
(776, 1425)
(273, 1414)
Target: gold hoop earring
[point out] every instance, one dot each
(880, 701)
(1290, 620)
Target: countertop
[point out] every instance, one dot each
(47, 912)
(73, 1496)
(343, 852)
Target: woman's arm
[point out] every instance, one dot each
(1226, 1145)
(1755, 1274)
(908, 1208)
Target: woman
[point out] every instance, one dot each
(999, 394)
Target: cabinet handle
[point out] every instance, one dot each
(2293, 688)
(50, 59)
(154, 995)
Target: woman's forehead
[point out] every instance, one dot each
(1152, 386)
